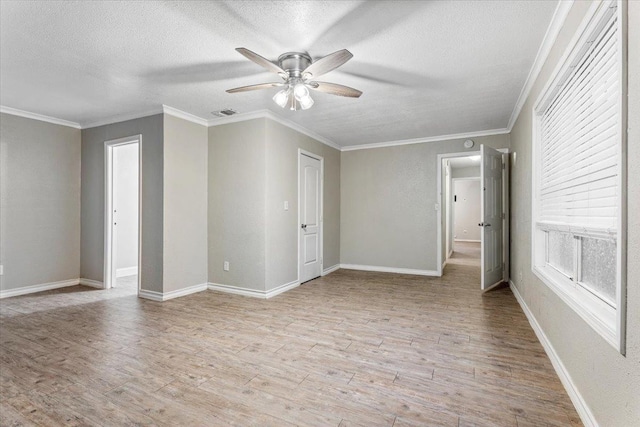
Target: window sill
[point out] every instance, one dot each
(598, 314)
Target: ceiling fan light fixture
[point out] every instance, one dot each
(300, 91)
(306, 102)
(281, 98)
(296, 69)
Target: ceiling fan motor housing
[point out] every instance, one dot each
(294, 63)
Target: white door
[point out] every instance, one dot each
(491, 235)
(309, 204)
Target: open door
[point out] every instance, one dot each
(492, 203)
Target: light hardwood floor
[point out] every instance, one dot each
(350, 349)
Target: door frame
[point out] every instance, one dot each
(439, 195)
(321, 208)
(108, 207)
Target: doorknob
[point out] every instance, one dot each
(304, 226)
(482, 224)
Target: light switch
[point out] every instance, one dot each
(286, 205)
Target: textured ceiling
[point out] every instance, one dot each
(426, 68)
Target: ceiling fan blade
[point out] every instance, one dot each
(327, 63)
(263, 62)
(255, 87)
(335, 89)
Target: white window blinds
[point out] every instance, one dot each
(579, 134)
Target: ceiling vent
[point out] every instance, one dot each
(224, 113)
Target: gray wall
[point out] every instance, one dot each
(39, 202)
(236, 204)
(253, 170)
(185, 204)
(388, 198)
(282, 184)
(125, 163)
(92, 249)
(608, 381)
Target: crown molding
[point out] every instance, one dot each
(438, 138)
(36, 116)
(268, 114)
(121, 118)
(240, 117)
(303, 130)
(184, 115)
(557, 21)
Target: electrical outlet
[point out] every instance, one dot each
(1, 270)
(520, 276)
(286, 205)
(225, 266)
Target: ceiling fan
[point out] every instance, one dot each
(299, 72)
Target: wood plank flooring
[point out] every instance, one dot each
(350, 349)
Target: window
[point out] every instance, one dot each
(578, 182)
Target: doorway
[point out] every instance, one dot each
(463, 210)
(122, 214)
(310, 230)
(473, 213)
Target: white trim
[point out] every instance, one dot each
(282, 288)
(396, 270)
(127, 271)
(38, 288)
(150, 295)
(35, 116)
(240, 117)
(164, 296)
(237, 290)
(268, 114)
(121, 118)
(92, 283)
(574, 394)
(331, 269)
(185, 291)
(184, 115)
(466, 240)
(438, 138)
(303, 130)
(557, 22)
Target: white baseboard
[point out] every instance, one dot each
(92, 283)
(450, 253)
(330, 269)
(150, 295)
(164, 296)
(465, 240)
(38, 288)
(389, 269)
(237, 290)
(253, 292)
(282, 288)
(574, 394)
(128, 271)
